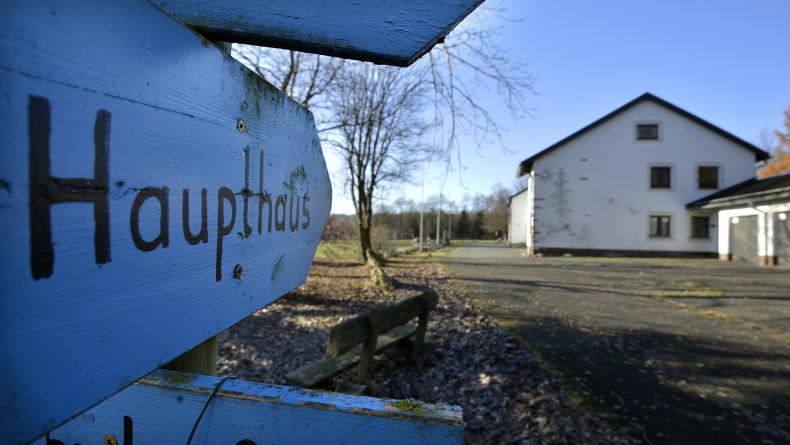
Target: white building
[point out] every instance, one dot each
(621, 184)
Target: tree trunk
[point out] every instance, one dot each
(378, 277)
(366, 243)
(364, 238)
(364, 222)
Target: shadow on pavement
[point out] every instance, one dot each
(678, 387)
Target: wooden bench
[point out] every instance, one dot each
(359, 339)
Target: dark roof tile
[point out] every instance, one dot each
(756, 190)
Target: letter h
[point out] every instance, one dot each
(46, 190)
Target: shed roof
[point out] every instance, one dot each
(760, 155)
(749, 192)
(510, 198)
(389, 32)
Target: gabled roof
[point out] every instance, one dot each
(751, 191)
(526, 165)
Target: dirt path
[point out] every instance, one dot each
(696, 351)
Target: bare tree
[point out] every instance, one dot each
(304, 77)
(497, 211)
(378, 112)
(358, 106)
(468, 65)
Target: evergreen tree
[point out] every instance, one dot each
(463, 227)
(477, 225)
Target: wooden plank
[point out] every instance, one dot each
(163, 407)
(388, 32)
(347, 334)
(202, 359)
(318, 372)
(351, 332)
(404, 310)
(118, 124)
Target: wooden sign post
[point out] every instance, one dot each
(153, 192)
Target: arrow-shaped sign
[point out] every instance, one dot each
(153, 192)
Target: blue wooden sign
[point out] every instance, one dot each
(153, 192)
(164, 407)
(392, 32)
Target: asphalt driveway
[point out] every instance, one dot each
(694, 351)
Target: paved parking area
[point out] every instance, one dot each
(696, 351)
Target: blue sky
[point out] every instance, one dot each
(725, 61)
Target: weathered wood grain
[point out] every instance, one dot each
(389, 32)
(118, 124)
(162, 408)
(356, 330)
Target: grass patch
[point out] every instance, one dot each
(429, 254)
(513, 327)
(584, 401)
(348, 250)
(398, 244)
(340, 251)
(478, 241)
(702, 292)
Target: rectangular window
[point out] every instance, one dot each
(700, 227)
(647, 132)
(708, 177)
(659, 226)
(660, 177)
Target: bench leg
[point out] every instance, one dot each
(368, 352)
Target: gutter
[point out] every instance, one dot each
(748, 199)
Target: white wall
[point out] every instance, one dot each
(594, 192)
(519, 218)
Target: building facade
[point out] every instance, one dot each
(621, 185)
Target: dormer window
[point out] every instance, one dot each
(647, 132)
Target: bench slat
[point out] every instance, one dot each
(354, 331)
(318, 372)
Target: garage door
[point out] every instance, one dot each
(783, 246)
(743, 238)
